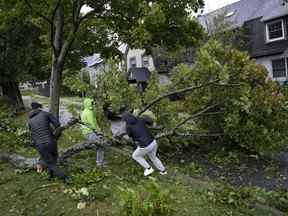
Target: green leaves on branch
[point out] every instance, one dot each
(252, 104)
(148, 200)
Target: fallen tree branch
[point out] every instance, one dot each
(184, 134)
(101, 141)
(199, 113)
(19, 161)
(184, 90)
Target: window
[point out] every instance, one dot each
(279, 68)
(145, 61)
(287, 27)
(229, 14)
(275, 31)
(132, 61)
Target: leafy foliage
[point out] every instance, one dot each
(250, 106)
(89, 177)
(113, 90)
(21, 50)
(72, 81)
(246, 196)
(12, 135)
(150, 200)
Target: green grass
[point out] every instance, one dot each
(16, 197)
(29, 193)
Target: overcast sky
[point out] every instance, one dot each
(211, 5)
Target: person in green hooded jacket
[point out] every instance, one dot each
(88, 117)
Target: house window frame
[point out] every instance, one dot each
(286, 67)
(142, 58)
(286, 27)
(268, 40)
(132, 59)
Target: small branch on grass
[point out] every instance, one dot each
(42, 187)
(37, 189)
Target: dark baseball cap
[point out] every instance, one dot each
(36, 105)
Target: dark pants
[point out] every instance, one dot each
(49, 156)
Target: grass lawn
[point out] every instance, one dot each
(21, 193)
(28, 193)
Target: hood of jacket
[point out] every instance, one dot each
(129, 118)
(34, 112)
(88, 103)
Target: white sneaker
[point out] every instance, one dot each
(163, 172)
(147, 172)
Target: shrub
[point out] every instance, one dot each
(149, 200)
(248, 196)
(12, 134)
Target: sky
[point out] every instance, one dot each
(211, 5)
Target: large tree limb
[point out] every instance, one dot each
(186, 134)
(52, 36)
(22, 162)
(199, 113)
(184, 90)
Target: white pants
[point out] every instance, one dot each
(150, 150)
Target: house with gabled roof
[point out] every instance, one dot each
(266, 22)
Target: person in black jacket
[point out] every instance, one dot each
(145, 141)
(42, 137)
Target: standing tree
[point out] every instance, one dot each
(128, 21)
(20, 50)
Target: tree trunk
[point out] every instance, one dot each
(125, 59)
(10, 90)
(57, 62)
(55, 87)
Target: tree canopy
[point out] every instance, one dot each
(21, 50)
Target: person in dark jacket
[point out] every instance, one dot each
(42, 137)
(145, 141)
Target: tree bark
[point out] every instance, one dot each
(21, 162)
(55, 86)
(10, 90)
(57, 61)
(125, 58)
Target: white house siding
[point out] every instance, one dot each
(267, 62)
(137, 54)
(94, 71)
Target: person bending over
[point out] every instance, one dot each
(145, 141)
(40, 123)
